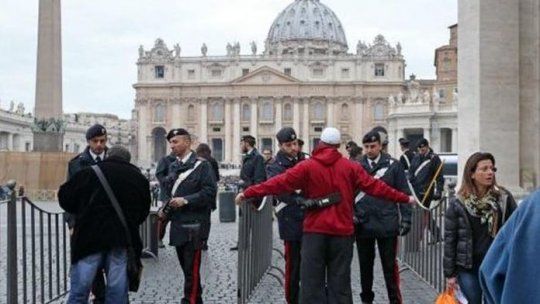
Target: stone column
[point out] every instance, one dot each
(236, 132)
(10, 142)
(489, 84)
(228, 130)
(305, 125)
(143, 148)
(296, 115)
(203, 122)
(278, 101)
(358, 119)
(454, 140)
(176, 116)
(253, 124)
(330, 102)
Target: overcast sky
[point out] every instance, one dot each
(100, 39)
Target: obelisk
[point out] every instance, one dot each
(49, 129)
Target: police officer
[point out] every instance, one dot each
(328, 182)
(380, 221)
(408, 155)
(162, 171)
(289, 213)
(253, 169)
(424, 167)
(96, 151)
(192, 187)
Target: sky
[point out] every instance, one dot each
(100, 39)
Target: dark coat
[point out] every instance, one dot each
(458, 234)
(199, 189)
(291, 217)
(253, 170)
(76, 164)
(162, 170)
(421, 176)
(407, 155)
(97, 226)
(378, 217)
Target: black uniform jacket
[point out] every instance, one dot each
(421, 175)
(378, 217)
(76, 164)
(291, 217)
(406, 159)
(252, 171)
(97, 226)
(458, 234)
(199, 189)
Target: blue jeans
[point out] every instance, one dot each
(470, 286)
(84, 271)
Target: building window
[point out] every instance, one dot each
(245, 72)
(245, 129)
(267, 112)
(378, 111)
(318, 72)
(76, 147)
(379, 69)
(159, 113)
(345, 73)
(191, 74)
(287, 71)
(66, 148)
(318, 111)
(191, 113)
(441, 93)
(27, 147)
(287, 112)
(217, 112)
(345, 111)
(159, 71)
(246, 112)
(316, 141)
(266, 143)
(216, 73)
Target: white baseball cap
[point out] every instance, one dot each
(331, 136)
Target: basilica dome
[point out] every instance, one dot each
(306, 27)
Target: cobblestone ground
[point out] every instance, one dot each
(163, 279)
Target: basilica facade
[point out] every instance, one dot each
(305, 77)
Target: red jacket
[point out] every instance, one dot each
(325, 173)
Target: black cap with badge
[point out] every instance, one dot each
(178, 131)
(371, 136)
(285, 135)
(95, 130)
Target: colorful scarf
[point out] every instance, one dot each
(485, 208)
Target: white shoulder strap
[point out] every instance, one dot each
(407, 160)
(425, 163)
(183, 176)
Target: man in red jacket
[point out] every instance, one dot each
(329, 182)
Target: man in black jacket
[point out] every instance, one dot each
(290, 215)
(380, 220)
(192, 187)
(96, 151)
(408, 155)
(424, 169)
(98, 240)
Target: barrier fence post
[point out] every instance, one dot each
(12, 245)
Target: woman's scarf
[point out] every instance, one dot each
(486, 208)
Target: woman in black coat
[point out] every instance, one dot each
(472, 220)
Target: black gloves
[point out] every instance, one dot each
(404, 228)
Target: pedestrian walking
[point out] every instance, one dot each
(380, 221)
(510, 268)
(192, 187)
(100, 240)
(95, 152)
(472, 221)
(289, 212)
(329, 182)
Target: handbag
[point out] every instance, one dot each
(134, 264)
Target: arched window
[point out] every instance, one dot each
(378, 111)
(287, 112)
(345, 111)
(318, 111)
(267, 111)
(246, 112)
(217, 112)
(191, 112)
(159, 113)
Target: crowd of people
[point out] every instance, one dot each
(324, 203)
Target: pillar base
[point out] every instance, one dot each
(48, 142)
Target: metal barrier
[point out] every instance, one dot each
(36, 252)
(255, 245)
(149, 234)
(422, 249)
